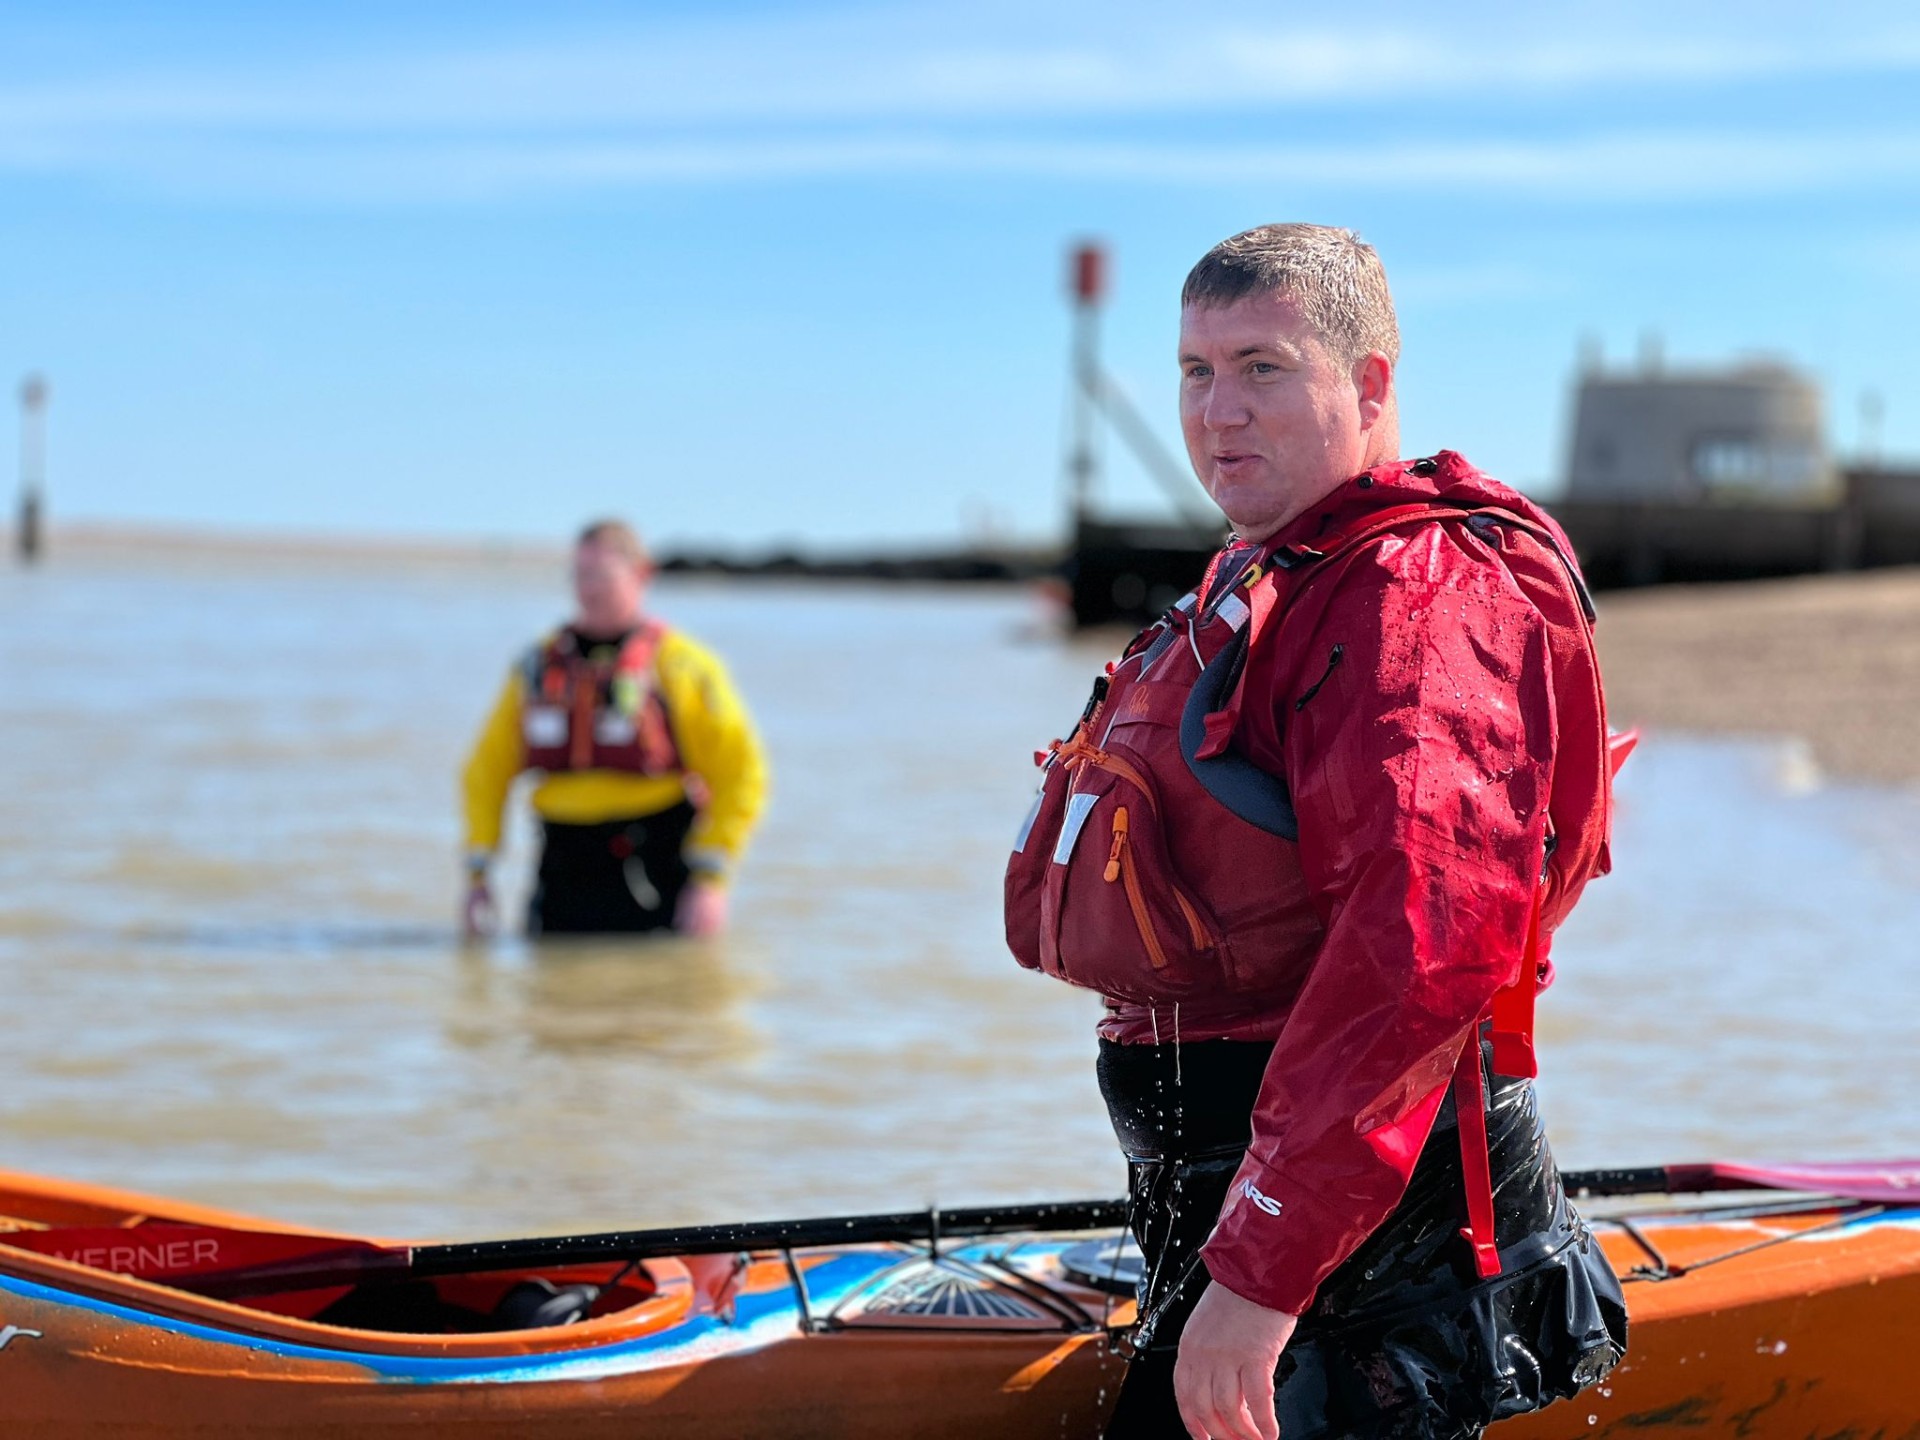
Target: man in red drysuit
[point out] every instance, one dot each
(1311, 833)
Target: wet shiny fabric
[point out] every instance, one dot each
(619, 877)
(1403, 1341)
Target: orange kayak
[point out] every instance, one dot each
(1753, 1316)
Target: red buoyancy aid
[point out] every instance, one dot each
(597, 712)
(1159, 865)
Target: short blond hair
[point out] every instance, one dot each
(619, 537)
(1334, 276)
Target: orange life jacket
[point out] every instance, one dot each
(587, 713)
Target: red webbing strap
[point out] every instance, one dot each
(1221, 723)
(1470, 1105)
(1513, 1005)
(1512, 1028)
(580, 718)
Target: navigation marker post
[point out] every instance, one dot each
(33, 465)
(1088, 284)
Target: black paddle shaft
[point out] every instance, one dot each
(904, 1226)
(1639, 1180)
(907, 1226)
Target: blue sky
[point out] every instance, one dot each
(781, 274)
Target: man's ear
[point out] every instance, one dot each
(1373, 383)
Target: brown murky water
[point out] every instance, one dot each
(228, 967)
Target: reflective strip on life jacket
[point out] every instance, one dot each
(627, 729)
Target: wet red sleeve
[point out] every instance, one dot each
(1420, 770)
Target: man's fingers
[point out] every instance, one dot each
(1256, 1385)
(1190, 1416)
(1196, 1391)
(1230, 1407)
(1186, 1391)
(1225, 1403)
(477, 915)
(1223, 1398)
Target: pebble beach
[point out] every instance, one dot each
(1833, 660)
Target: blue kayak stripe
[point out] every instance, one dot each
(1905, 1215)
(759, 1320)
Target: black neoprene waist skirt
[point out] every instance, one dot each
(1404, 1340)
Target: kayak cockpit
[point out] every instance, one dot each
(332, 1280)
(472, 1304)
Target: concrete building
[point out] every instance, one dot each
(1703, 474)
(1752, 434)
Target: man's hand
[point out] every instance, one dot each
(478, 916)
(702, 910)
(1223, 1379)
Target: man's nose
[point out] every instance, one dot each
(1226, 407)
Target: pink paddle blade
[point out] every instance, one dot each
(1620, 744)
(1888, 1182)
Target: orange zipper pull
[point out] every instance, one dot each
(1119, 844)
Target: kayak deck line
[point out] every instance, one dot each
(1662, 1269)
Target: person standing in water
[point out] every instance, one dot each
(651, 774)
(1309, 839)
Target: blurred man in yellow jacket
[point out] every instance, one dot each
(651, 775)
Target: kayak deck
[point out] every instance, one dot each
(1750, 1317)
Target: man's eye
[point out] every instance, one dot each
(1198, 372)
(1263, 367)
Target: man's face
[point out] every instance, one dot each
(1272, 420)
(608, 586)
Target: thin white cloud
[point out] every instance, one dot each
(1016, 94)
(1608, 168)
(859, 68)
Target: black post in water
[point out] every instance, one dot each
(33, 460)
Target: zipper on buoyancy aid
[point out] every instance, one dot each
(1196, 927)
(1120, 868)
(1119, 846)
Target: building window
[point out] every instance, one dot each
(1727, 462)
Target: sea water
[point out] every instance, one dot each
(229, 968)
